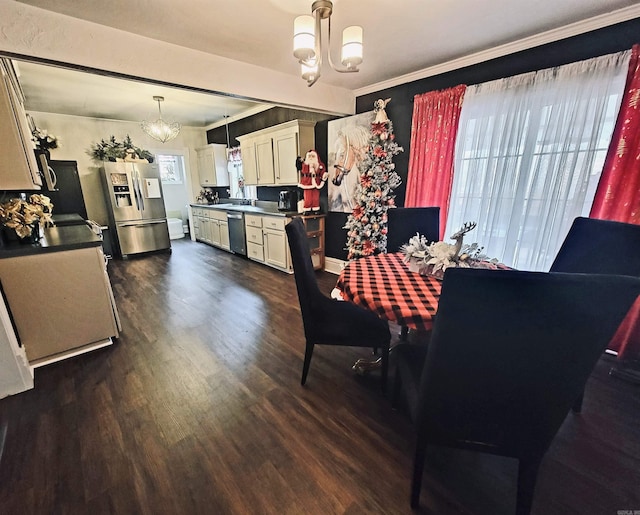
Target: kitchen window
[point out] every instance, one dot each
(171, 168)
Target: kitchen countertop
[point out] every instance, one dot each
(55, 239)
(245, 208)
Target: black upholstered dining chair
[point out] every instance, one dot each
(327, 321)
(594, 246)
(404, 222)
(509, 354)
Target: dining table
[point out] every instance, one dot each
(384, 284)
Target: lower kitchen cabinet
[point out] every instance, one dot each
(267, 241)
(61, 302)
(211, 226)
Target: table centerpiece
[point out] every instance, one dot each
(434, 258)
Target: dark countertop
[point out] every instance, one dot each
(248, 209)
(56, 239)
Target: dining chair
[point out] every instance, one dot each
(327, 321)
(404, 222)
(509, 353)
(594, 246)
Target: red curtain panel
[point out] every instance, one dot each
(618, 194)
(433, 137)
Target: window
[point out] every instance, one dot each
(529, 154)
(171, 169)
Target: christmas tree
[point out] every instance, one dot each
(367, 224)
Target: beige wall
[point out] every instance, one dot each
(76, 135)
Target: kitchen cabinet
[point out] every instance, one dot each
(61, 302)
(267, 241)
(269, 155)
(219, 228)
(212, 165)
(210, 226)
(18, 166)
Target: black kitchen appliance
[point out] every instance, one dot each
(67, 196)
(288, 201)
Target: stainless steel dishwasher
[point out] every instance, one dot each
(237, 236)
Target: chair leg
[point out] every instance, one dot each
(577, 405)
(307, 361)
(418, 468)
(384, 372)
(527, 476)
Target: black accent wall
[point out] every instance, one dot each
(603, 41)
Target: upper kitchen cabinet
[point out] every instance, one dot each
(212, 165)
(269, 155)
(18, 166)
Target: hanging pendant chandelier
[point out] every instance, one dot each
(307, 43)
(161, 130)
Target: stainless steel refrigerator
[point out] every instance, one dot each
(136, 207)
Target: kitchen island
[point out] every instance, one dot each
(58, 294)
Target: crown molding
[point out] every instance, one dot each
(573, 29)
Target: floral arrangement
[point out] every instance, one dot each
(114, 150)
(208, 196)
(44, 140)
(25, 216)
(434, 258)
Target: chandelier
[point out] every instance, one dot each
(307, 43)
(161, 130)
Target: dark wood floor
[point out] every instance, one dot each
(198, 409)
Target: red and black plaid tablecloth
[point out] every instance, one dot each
(384, 284)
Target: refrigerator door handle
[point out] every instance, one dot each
(140, 191)
(136, 190)
(144, 224)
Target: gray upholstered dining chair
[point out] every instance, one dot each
(509, 353)
(327, 321)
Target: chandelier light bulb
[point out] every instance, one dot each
(352, 46)
(304, 38)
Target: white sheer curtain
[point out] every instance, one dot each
(529, 154)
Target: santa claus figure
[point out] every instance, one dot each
(313, 176)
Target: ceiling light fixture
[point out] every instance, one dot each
(161, 130)
(307, 43)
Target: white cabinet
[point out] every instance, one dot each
(210, 226)
(269, 155)
(77, 312)
(18, 166)
(219, 228)
(267, 241)
(249, 165)
(212, 165)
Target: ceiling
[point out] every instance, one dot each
(400, 38)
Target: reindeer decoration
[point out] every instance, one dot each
(458, 236)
